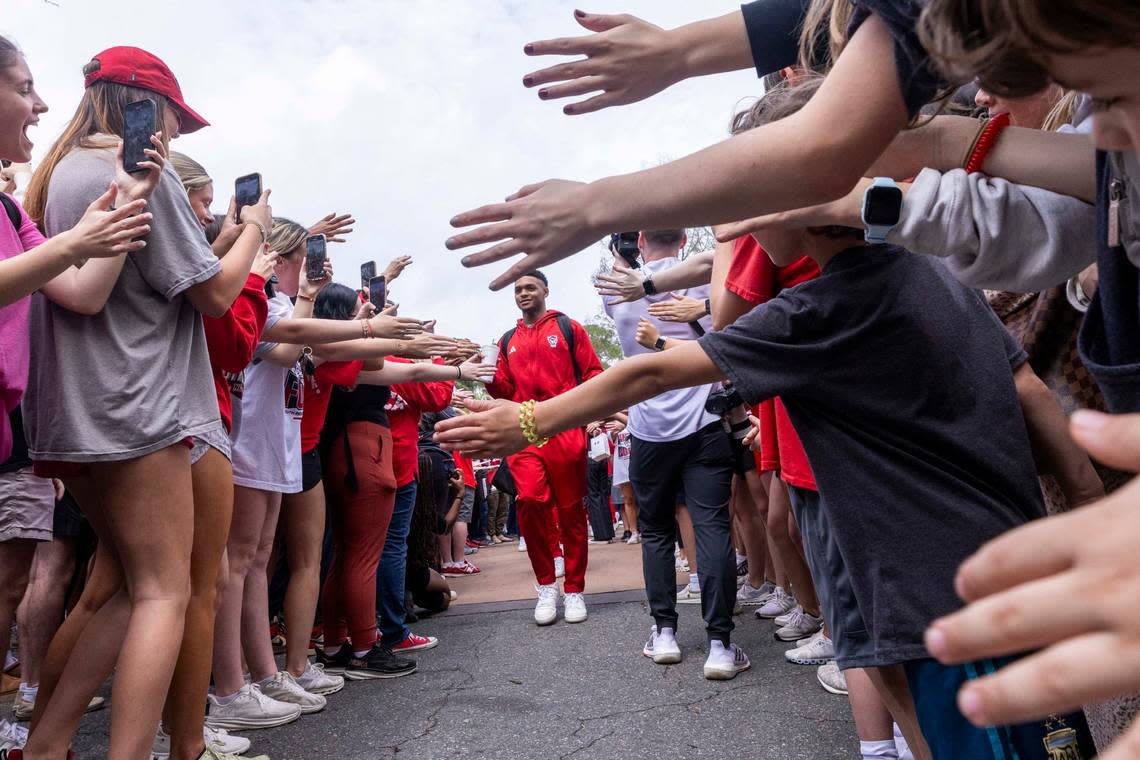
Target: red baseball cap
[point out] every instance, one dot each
(135, 67)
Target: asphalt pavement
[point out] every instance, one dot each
(500, 688)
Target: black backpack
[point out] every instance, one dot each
(567, 330)
(11, 210)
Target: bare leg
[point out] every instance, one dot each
(752, 514)
(303, 519)
(790, 556)
(629, 507)
(213, 508)
(872, 719)
(894, 691)
(41, 612)
(445, 548)
(255, 642)
(15, 565)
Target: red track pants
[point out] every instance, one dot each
(551, 484)
(360, 521)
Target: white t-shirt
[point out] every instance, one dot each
(267, 449)
(673, 414)
(622, 451)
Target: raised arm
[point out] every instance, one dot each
(495, 431)
(214, 296)
(625, 284)
(423, 372)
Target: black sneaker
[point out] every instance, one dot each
(742, 567)
(626, 536)
(378, 663)
(335, 663)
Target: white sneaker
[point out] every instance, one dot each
(800, 625)
(559, 567)
(831, 678)
(546, 611)
(634, 538)
(12, 736)
(687, 596)
(218, 740)
(662, 647)
(284, 688)
(316, 681)
(782, 620)
(779, 603)
(250, 710)
(819, 650)
(723, 664)
(522, 544)
(750, 595)
(574, 608)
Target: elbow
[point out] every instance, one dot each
(211, 305)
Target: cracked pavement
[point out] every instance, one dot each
(500, 688)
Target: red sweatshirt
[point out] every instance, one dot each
(537, 364)
(408, 402)
(232, 338)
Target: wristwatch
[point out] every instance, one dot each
(659, 344)
(649, 287)
(882, 207)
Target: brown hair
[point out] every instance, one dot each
(100, 112)
(665, 237)
(1005, 43)
(824, 34)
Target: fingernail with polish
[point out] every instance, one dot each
(528, 81)
(543, 93)
(528, 49)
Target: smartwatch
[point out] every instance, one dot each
(659, 344)
(649, 287)
(882, 207)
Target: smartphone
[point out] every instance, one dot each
(367, 272)
(247, 192)
(139, 123)
(377, 292)
(315, 257)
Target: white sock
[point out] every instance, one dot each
(331, 651)
(694, 583)
(226, 700)
(901, 745)
(29, 692)
(360, 654)
(881, 750)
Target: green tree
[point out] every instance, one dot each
(604, 337)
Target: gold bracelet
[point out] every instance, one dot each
(529, 426)
(260, 228)
(303, 297)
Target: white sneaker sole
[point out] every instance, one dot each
(830, 689)
(251, 724)
(372, 675)
(808, 660)
(689, 600)
(794, 635)
(545, 620)
(718, 674)
(664, 658)
(574, 618)
(325, 691)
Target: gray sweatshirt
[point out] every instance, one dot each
(995, 234)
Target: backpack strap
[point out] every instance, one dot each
(11, 210)
(567, 329)
(504, 342)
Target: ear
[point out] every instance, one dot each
(641, 241)
(684, 241)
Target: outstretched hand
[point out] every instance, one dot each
(626, 59)
(679, 308)
(492, 430)
(622, 284)
(333, 226)
(547, 221)
(1090, 646)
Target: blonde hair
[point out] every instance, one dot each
(100, 111)
(1062, 112)
(1005, 43)
(192, 173)
(286, 236)
(779, 102)
(824, 29)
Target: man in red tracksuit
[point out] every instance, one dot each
(545, 355)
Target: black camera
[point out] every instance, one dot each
(733, 412)
(624, 244)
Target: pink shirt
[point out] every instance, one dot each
(14, 326)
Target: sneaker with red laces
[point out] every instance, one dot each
(415, 642)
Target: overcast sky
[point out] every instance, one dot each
(402, 112)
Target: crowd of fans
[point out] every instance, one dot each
(851, 415)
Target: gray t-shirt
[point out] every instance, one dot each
(898, 380)
(134, 378)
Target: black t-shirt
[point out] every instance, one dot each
(19, 458)
(898, 380)
(774, 28)
(366, 403)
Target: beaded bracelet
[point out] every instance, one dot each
(529, 426)
(985, 141)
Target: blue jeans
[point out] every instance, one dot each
(390, 608)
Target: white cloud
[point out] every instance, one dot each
(401, 112)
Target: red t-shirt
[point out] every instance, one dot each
(318, 393)
(407, 403)
(755, 278)
(465, 466)
(232, 338)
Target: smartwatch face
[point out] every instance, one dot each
(883, 206)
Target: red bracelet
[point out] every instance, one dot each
(986, 141)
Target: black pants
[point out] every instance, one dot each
(598, 500)
(701, 464)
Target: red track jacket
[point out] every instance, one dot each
(232, 338)
(537, 365)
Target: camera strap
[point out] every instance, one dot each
(11, 210)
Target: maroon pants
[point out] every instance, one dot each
(552, 488)
(359, 521)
